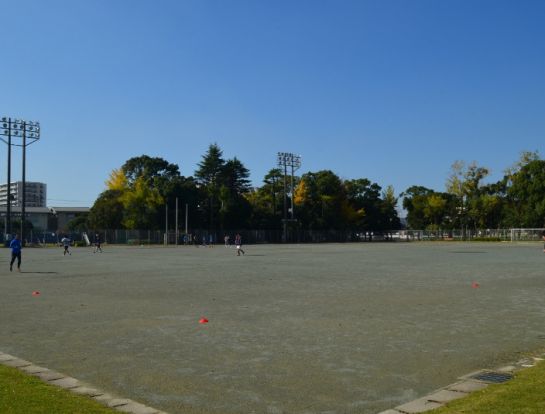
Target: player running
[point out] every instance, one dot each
(97, 243)
(66, 243)
(16, 247)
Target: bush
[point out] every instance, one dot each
(486, 239)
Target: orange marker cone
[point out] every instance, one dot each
(475, 285)
(203, 320)
(35, 293)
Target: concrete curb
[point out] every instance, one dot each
(465, 385)
(73, 385)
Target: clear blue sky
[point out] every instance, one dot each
(393, 91)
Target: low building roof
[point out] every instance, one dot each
(34, 210)
(46, 210)
(70, 209)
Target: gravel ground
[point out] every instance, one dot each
(329, 328)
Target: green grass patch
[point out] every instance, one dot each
(525, 394)
(24, 394)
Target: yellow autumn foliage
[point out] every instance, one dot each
(300, 193)
(117, 180)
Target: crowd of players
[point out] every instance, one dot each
(16, 246)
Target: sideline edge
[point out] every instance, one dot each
(124, 405)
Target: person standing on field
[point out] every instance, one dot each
(238, 244)
(15, 247)
(97, 244)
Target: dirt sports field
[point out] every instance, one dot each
(331, 328)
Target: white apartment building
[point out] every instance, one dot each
(36, 194)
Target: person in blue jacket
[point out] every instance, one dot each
(15, 247)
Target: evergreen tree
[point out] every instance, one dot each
(209, 175)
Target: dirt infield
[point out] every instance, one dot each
(354, 328)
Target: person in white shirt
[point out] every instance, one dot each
(66, 243)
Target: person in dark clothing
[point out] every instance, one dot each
(97, 243)
(16, 247)
(238, 244)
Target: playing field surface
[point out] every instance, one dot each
(330, 328)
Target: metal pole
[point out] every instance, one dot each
(186, 218)
(166, 224)
(211, 213)
(285, 236)
(292, 212)
(285, 192)
(8, 211)
(176, 221)
(23, 199)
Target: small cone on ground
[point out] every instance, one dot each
(475, 285)
(35, 293)
(203, 320)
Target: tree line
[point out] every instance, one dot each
(515, 201)
(141, 194)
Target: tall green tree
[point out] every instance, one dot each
(107, 211)
(209, 175)
(526, 196)
(319, 198)
(156, 171)
(137, 194)
(266, 201)
(235, 209)
(273, 186)
(141, 205)
(389, 216)
(464, 183)
(365, 196)
(415, 202)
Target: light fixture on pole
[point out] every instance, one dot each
(24, 133)
(288, 159)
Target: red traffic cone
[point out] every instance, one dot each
(475, 285)
(35, 293)
(203, 320)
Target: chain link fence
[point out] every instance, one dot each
(200, 237)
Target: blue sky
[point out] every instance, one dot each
(394, 91)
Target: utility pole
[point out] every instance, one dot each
(176, 221)
(166, 224)
(186, 218)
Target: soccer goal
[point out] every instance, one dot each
(526, 234)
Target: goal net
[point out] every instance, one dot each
(527, 234)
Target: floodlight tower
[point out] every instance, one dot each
(287, 159)
(28, 132)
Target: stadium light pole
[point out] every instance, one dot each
(166, 224)
(176, 221)
(288, 159)
(29, 132)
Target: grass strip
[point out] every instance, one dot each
(525, 394)
(21, 393)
